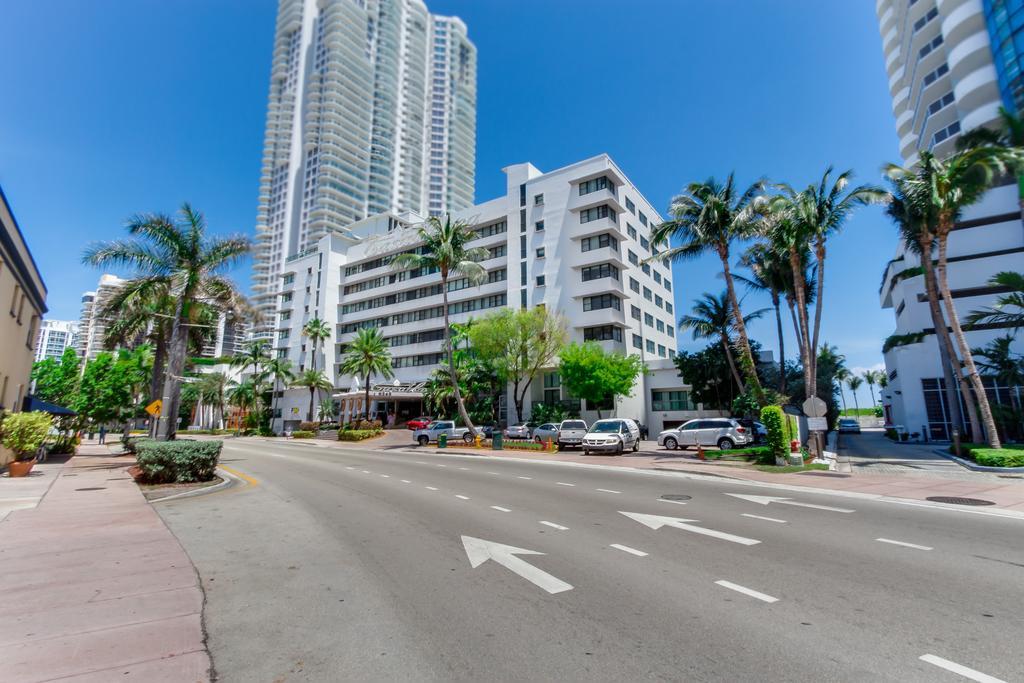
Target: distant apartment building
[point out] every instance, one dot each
(23, 297)
(372, 108)
(951, 65)
(573, 240)
(93, 323)
(55, 336)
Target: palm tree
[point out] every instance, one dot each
(279, 372)
(445, 249)
(1009, 135)
(871, 378)
(1001, 362)
(707, 218)
(244, 396)
(942, 189)
(326, 409)
(1009, 307)
(842, 375)
(317, 331)
(710, 318)
(255, 353)
(314, 380)
(770, 274)
(213, 391)
(855, 383)
(367, 355)
(180, 255)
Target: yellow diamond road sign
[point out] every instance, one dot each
(154, 407)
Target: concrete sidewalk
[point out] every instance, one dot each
(97, 587)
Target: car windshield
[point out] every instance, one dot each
(574, 424)
(605, 427)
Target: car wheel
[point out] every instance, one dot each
(467, 437)
(586, 451)
(619, 448)
(636, 445)
(537, 439)
(670, 443)
(725, 444)
(424, 440)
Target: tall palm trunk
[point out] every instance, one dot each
(157, 378)
(871, 391)
(791, 303)
(175, 366)
(782, 343)
(732, 363)
(451, 356)
(842, 395)
(856, 403)
(961, 340)
(273, 405)
(810, 382)
(819, 300)
(312, 393)
(366, 401)
(952, 375)
(746, 356)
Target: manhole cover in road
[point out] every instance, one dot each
(675, 496)
(92, 488)
(953, 500)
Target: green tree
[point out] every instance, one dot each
(712, 318)
(213, 388)
(1009, 307)
(591, 373)
(317, 331)
(365, 356)
(707, 218)
(326, 410)
(842, 375)
(180, 254)
(1009, 135)
(254, 354)
(314, 381)
(279, 372)
(518, 345)
(446, 250)
(244, 395)
(104, 390)
(871, 378)
(57, 381)
(855, 382)
(770, 272)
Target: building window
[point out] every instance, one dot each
(552, 387)
(940, 103)
(596, 213)
(539, 226)
(646, 267)
(648, 320)
(588, 186)
(650, 346)
(926, 50)
(540, 280)
(634, 259)
(599, 241)
(643, 219)
(630, 206)
(288, 279)
(14, 301)
(648, 294)
(657, 300)
(634, 285)
(645, 243)
(600, 271)
(602, 333)
(631, 231)
(283, 334)
(634, 311)
(638, 342)
(662, 351)
(670, 331)
(597, 303)
(660, 326)
(286, 297)
(668, 284)
(657, 277)
(540, 252)
(538, 200)
(923, 21)
(662, 400)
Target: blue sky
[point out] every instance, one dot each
(112, 107)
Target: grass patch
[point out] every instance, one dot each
(1010, 455)
(786, 469)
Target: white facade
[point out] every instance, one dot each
(54, 337)
(372, 108)
(571, 240)
(92, 327)
(943, 81)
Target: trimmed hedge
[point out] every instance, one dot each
(303, 434)
(177, 462)
(775, 422)
(1010, 455)
(358, 434)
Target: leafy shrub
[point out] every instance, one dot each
(549, 412)
(24, 433)
(178, 462)
(308, 426)
(303, 434)
(891, 433)
(1010, 455)
(774, 421)
(265, 431)
(358, 434)
(904, 436)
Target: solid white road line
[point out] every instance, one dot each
(500, 509)
(960, 669)
(430, 488)
(524, 477)
(746, 591)
(608, 491)
(562, 483)
(406, 481)
(677, 502)
(627, 549)
(555, 526)
(902, 543)
(767, 519)
(461, 497)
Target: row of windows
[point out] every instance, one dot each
(599, 271)
(486, 231)
(601, 301)
(599, 241)
(670, 400)
(597, 213)
(650, 321)
(602, 333)
(496, 251)
(417, 361)
(602, 183)
(923, 21)
(660, 349)
(492, 301)
(497, 275)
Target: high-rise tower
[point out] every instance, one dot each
(372, 108)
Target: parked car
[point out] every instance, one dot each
(571, 433)
(433, 430)
(848, 425)
(723, 432)
(520, 430)
(487, 431)
(643, 430)
(760, 433)
(546, 431)
(419, 423)
(612, 435)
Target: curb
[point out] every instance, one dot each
(228, 480)
(975, 466)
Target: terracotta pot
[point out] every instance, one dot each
(20, 468)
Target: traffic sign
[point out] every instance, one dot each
(817, 424)
(155, 407)
(814, 407)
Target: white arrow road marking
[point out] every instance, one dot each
(608, 491)
(461, 497)
(627, 549)
(767, 519)
(677, 502)
(657, 521)
(500, 509)
(904, 544)
(746, 591)
(764, 500)
(960, 669)
(479, 551)
(555, 526)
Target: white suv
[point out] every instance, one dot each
(612, 435)
(723, 432)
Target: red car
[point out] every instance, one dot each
(419, 423)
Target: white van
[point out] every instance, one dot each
(613, 435)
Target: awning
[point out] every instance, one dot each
(388, 392)
(33, 404)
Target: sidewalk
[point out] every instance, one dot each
(96, 587)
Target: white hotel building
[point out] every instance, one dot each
(943, 81)
(572, 240)
(54, 337)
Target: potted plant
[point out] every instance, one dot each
(24, 433)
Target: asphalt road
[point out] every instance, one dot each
(358, 565)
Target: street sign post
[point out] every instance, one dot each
(814, 407)
(155, 407)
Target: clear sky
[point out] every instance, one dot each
(111, 107)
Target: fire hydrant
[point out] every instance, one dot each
(479, 439)
(551, 444)
(700, 452)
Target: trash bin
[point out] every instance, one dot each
(496, 440)
(442, 440)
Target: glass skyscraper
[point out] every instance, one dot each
(1005, 20)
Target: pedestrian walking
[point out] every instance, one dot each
(103, 433)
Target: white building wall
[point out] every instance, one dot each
(54, 337)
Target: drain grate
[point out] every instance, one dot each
(92, 488)
(954, 500)
(675, 496)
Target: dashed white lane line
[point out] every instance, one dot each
(386, 476)
(746, 591)
(960, 669)
(500, 509)
(555, 526)
(904, 544)
(350, 468)
(676, 502)
(608, 491)
(420, 462)
(524, 477)
(461, 497)
(767, 519)
(464, 468)
(627, 549)
(562, 483)
(439, 465)
(406, 481)
(430, 488)
(366, 471)
(497, 473)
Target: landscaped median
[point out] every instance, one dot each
(163, 467)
